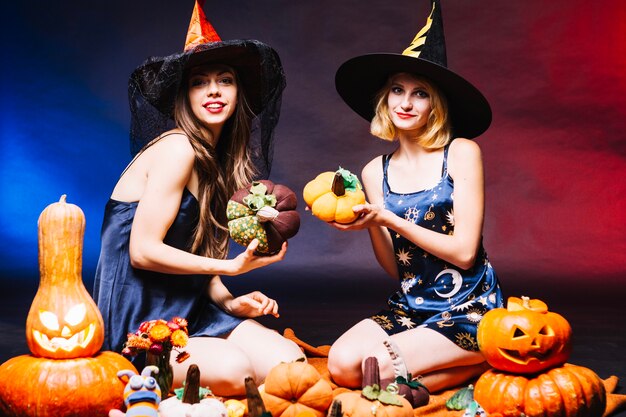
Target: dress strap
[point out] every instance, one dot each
(385, 160)
(444, 167)
(152, 142)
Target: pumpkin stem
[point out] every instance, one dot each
(335, 409)
(338, 187)
(63, 198)
(525, 301)
(371, 374)
(191, 394)
(256, 407)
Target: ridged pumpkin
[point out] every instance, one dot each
(64, 321)
(43, 387)
(296, 387)
(566, 391)
(524, 337)
(331, 196)
(265, 211)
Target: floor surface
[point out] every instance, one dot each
(319, 309)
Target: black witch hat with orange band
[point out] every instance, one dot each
(359, 79)
(153, 86)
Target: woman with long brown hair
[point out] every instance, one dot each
(165, 236)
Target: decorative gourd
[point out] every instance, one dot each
(265, 211)
(461, 399)
(64, 330)
(566, 391)
(235, 408)
(64, 321)
(410, 388)
(189, 403)
(387, 404)
(525, 337)
(331, 196)
(291, 388)
(42, 387)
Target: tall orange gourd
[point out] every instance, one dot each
(64, 321)
(66, 375)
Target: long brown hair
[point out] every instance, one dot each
(221, 170)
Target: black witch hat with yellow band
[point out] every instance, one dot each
(359, 79)
(153, 86)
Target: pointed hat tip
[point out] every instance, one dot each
(200, 30)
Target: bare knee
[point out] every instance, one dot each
(344, 366)
(227, 376)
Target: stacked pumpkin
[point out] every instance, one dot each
(528, 345)
(66, 375)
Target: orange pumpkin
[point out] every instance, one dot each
(296, 387)
(566, 391)
(42, 387)
(331, 196)
(355, 404)
(525, 337)
(64, 321)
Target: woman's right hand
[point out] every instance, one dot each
(247, 260)
(370, 215)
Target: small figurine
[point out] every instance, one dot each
(142, 394)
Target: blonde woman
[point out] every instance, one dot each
(424, 216)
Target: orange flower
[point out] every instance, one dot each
(179, 338)
(159, 332)
(138, 342)
(180, 321)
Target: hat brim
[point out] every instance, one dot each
(359, 79)
(159, 78)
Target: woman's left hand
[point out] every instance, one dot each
(251, 305)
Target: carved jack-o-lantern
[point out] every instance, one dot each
(525, 337)
(64, 321)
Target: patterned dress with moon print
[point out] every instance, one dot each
(434, 293)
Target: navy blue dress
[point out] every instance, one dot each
(128, 296)
(433, 293)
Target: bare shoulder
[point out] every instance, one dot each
(464, 148)
(373, 169)
(176, 144)
(464, 154)
(372, 178)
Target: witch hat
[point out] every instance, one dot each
(154, 85)
(359, 79)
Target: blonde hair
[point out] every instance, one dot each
(436, 133)
(221, 170)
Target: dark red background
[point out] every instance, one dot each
(553, 71)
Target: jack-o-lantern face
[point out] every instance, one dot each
(64, 321)
(525, 337)
(67, 333)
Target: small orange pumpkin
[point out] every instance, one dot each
(525, 337)
(64, 321)
(566, 391)
(296, 387)
(331, 196)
